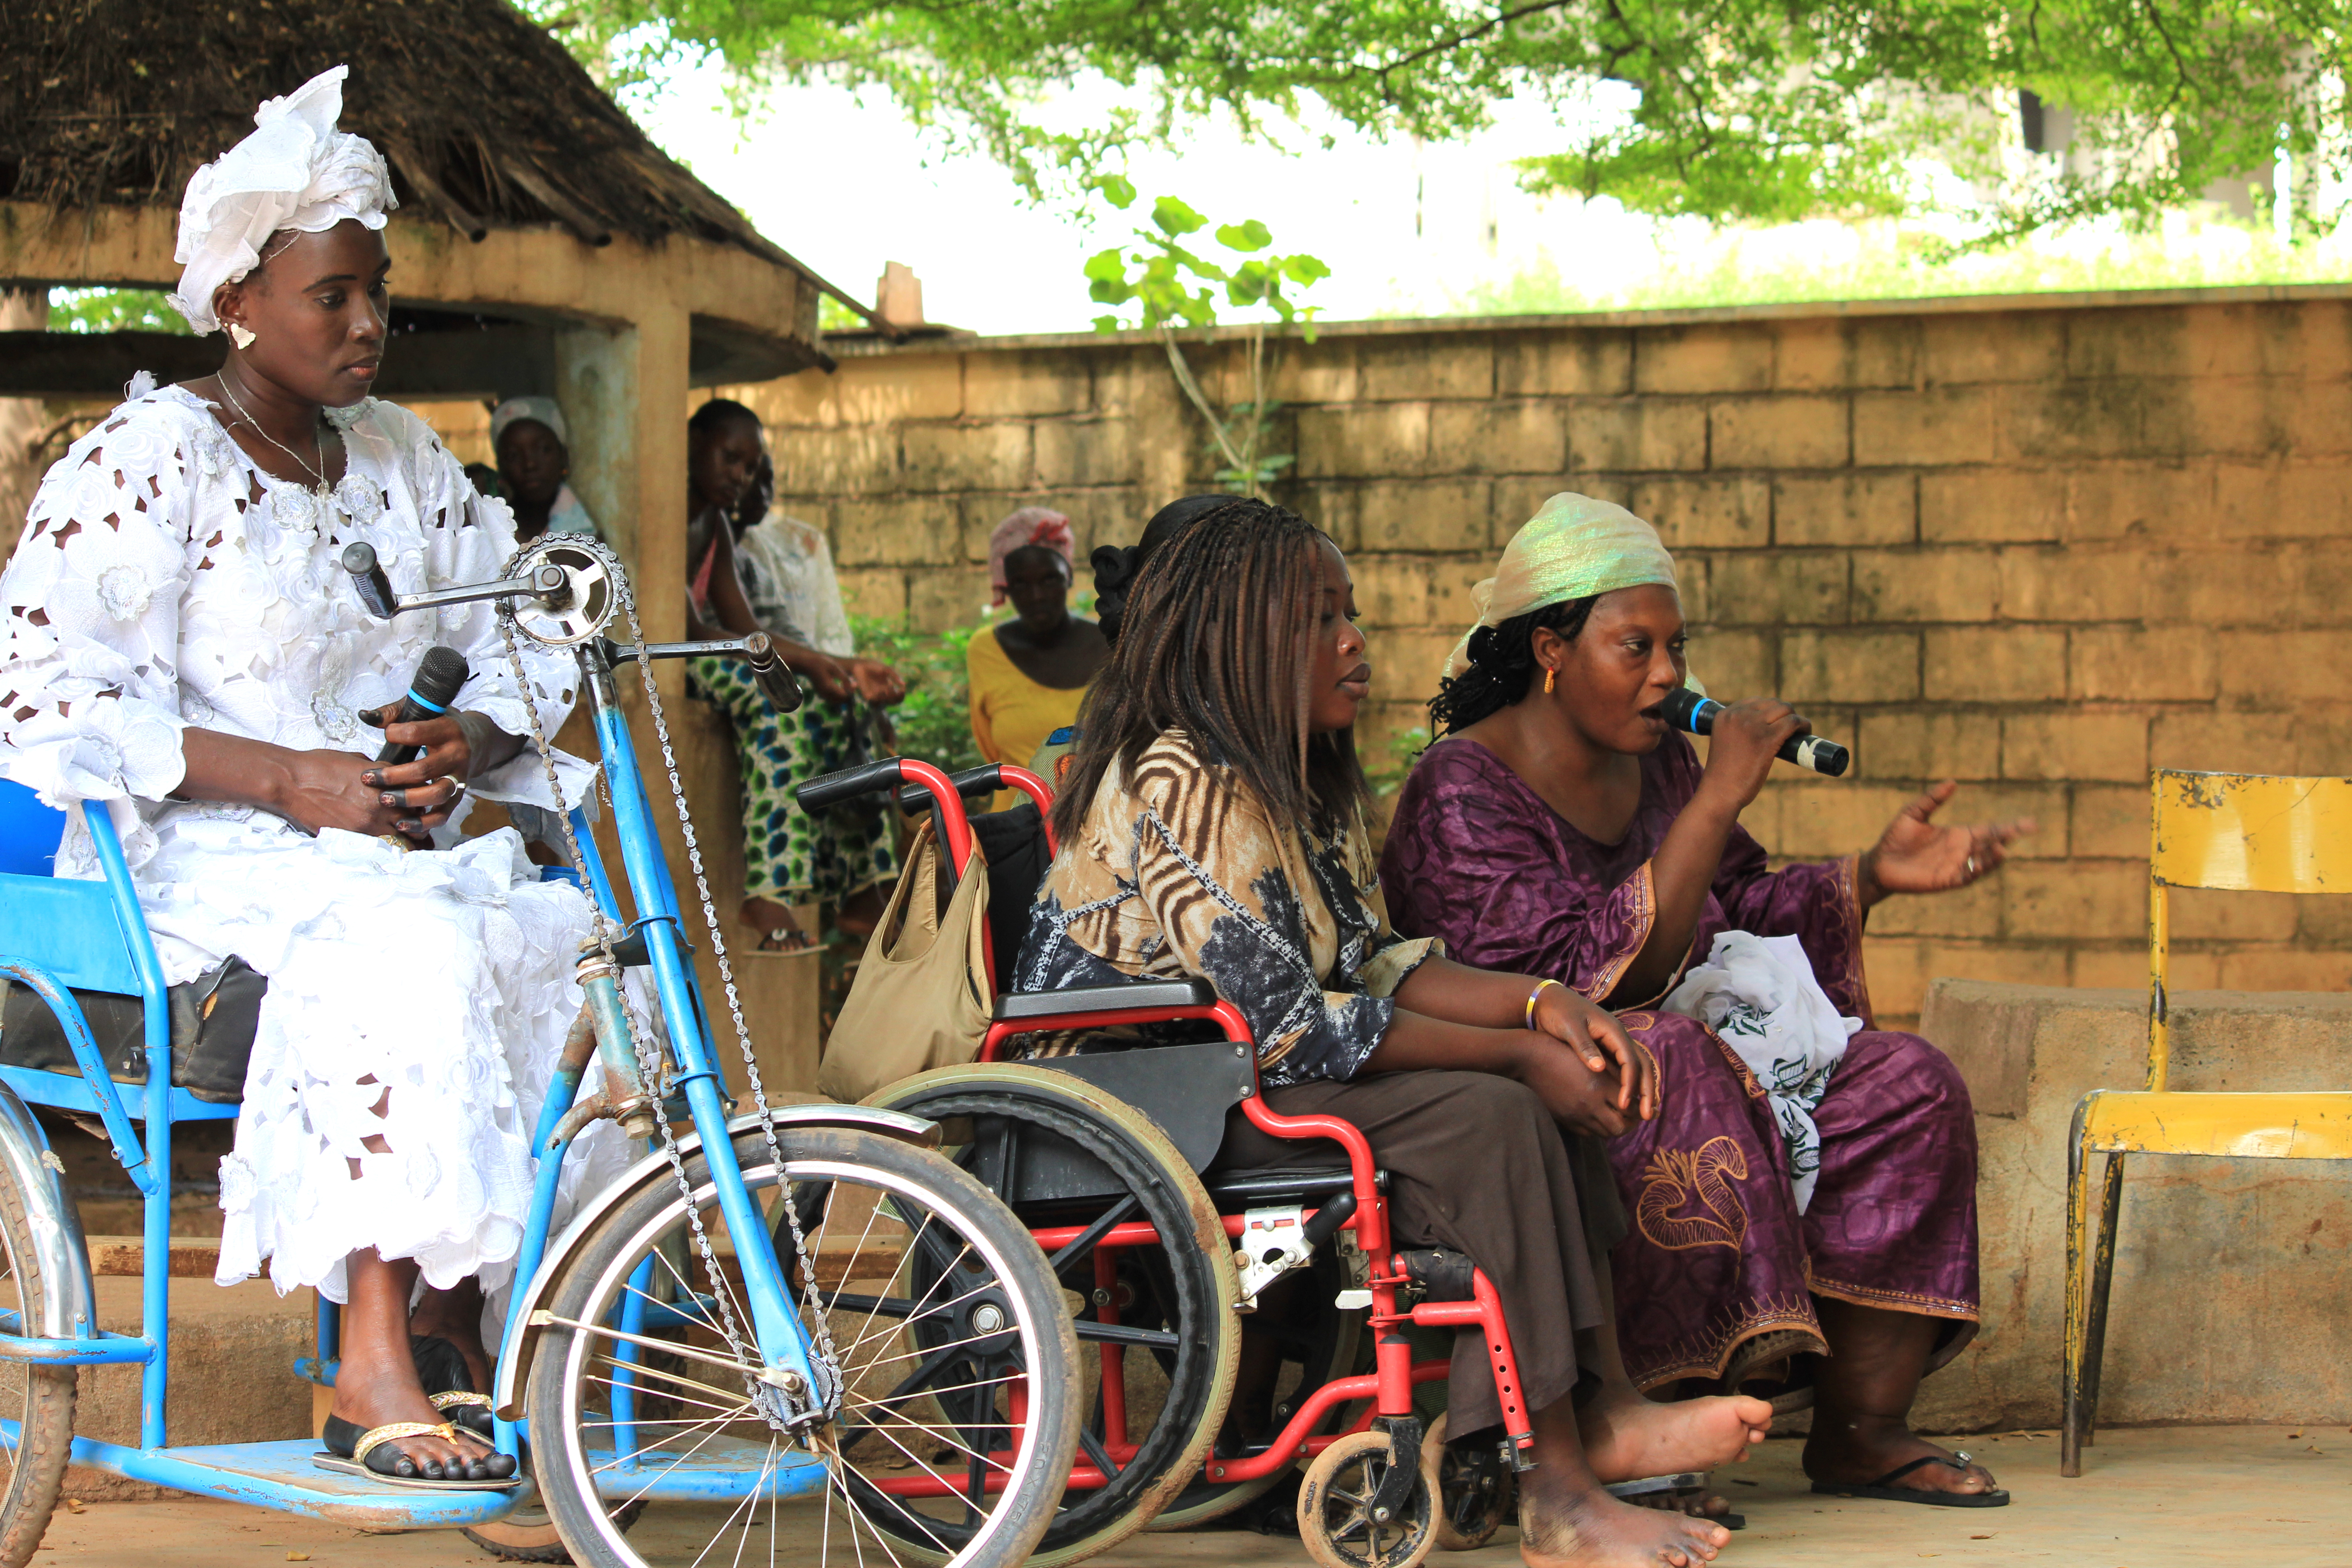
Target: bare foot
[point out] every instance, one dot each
(1857, 1452)
(1628, 1437)
(1593, 1529)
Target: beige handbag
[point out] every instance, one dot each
(923, 995)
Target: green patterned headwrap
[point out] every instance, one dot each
(1573, 548)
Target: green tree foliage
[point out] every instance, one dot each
(1742, 109)
(113, 311)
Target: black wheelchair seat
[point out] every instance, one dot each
(213, 1021)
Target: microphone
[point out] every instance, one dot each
(439, 674)
(1686, 710)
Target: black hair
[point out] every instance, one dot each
(1502, 665)
(713, 416)
(1223, 650)
(1115, 565)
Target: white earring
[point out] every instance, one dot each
(240, 336)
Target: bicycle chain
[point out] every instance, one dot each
(649, 1060)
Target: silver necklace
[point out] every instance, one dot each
(318, 472)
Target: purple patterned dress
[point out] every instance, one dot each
(1716, 1276)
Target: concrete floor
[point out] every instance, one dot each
(2167, 1498)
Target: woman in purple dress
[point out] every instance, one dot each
(1560, 827)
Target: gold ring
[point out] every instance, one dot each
(1971, 866)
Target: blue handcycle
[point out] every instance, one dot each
(798, 1329)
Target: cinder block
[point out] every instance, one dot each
(2070, 743)
(878, 592)
(2323, 920)
(1732, 665)
(1564, 361)
(1363, 441)
(2073, 583)
(1518, 437)
(1992, 345)
(2281, 501)
(2318, 582)
(1393, 591)
(898, 532)
(1777, 587)
(2256, 585)
(2126, 969)
(1838, 355)
(2274, 667)
(1923, 584)
(1987, 664)
(1849, 666)
(1843, 509)
(1783, 430)
(1450, 582)
(2281, 969)
(858, 460)
(1322, 372)
(1936, 426)
(2074, 901)
(1824, 821)
(1442, 365)
(1086, 452)
(2043, 806)
(1406, 664)
(942, 598)
(2172, 664)
(1697, 513)
(2323, 740)
(1636, 433)
(2111, 821)
(893, 387)
(2162, 341)
(2060, 421)
(2204, 914)
(968, 457)
(2137, 500)
(1713, 357)
(1972, 504)
(1922, 744)
(1970, 911)
(1435, 515)
(1010, 381)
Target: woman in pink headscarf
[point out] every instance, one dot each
(1028, 674)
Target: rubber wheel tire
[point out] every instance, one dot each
(45, 1438)
(1332, 1501)
(1053, 1382)
(528, 1535)
(1206, 1285)
(1466, 1519)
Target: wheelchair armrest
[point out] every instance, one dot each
(1133, 995)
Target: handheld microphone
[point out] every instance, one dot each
(1686, 710)
(439, 675)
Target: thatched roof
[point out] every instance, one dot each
(488, 122)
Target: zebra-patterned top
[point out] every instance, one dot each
(1178, 873)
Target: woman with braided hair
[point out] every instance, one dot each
(1560, 827)
(1212, 828)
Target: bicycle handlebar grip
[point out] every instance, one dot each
(985, 779)
(822, 794)
(773, 677)
(374, 587)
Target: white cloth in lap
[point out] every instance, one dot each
(163, 581)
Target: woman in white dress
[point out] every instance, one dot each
(180, 642)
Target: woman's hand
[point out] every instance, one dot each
(1579, 1096)
(1740, 748)
(1914, 856)
(1603, 1044)
(829, 675)
(878, 682)
(338, 789)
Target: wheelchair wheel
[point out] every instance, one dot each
(1174, 1301)
(953, 1454)
(1336, 1522)
(528, 1535)
(39, 1400)
(1472, 1492)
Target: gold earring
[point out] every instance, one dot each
(1550, 675)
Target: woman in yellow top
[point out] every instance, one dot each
(1028, 674)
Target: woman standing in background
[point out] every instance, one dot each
(1028, 674)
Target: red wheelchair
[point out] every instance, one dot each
(1180, 1267)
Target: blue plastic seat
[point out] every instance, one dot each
(29, 833)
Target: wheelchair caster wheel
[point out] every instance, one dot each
(1335, 1509)
(1472, 1494)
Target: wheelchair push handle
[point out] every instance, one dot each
(984, 780)
(829, 789)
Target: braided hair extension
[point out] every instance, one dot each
(1115, 565)
(1220, 643)
(1502, 665)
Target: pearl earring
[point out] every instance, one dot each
(239, 336)
(1550, 675)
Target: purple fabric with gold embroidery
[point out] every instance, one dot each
(1716, 1257)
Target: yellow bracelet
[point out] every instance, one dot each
(1531, 999)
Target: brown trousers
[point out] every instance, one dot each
(1476, 1164)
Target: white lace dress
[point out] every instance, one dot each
(163, 582)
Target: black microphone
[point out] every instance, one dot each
(1686, 710)
(439, 675)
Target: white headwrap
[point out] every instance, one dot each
(541, 410)
(1573, 548)
(296, 171)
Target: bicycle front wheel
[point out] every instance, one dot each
(954, 1434)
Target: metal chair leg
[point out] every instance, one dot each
(2070, 1386)
(2102, 1274)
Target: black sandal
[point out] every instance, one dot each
(356, 1452)
(1883, 1489)
(441, 1368)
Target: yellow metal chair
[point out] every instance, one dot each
(2234, 831)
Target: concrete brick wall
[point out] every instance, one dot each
(2035, 544)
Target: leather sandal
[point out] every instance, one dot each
(1884, 1489)
(468, 1409)
(353, 1452)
